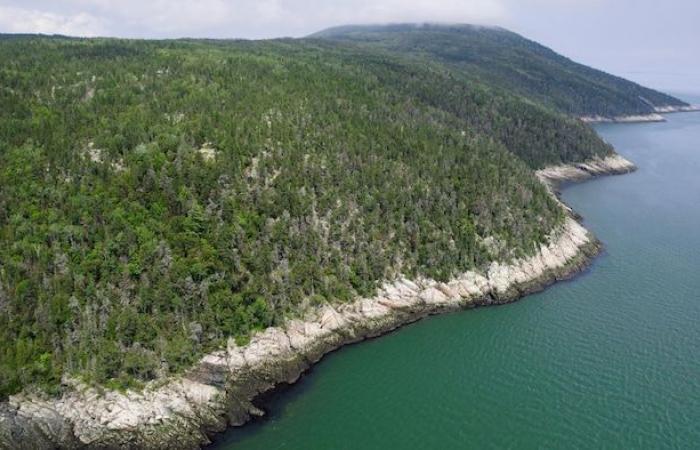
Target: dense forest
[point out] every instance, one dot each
(538, 135)
(506, 60)
(159, 197)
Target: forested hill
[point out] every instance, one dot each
(158, 197)
(500, 58)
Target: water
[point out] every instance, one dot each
(609, 360)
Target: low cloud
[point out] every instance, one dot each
(230, 18)
(20, 20)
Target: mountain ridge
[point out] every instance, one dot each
(489, 52)
(163, 200)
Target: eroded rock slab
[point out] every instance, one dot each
(184, 411)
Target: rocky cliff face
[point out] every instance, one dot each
(610, 165)
(653, 117)
(219, 392)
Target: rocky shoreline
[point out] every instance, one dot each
(219, 392)
(656, 116)
(610, 165)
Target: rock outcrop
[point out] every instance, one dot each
(653, 117)
(610, 165)
(220, 391)
(624, 119)
(675, 109)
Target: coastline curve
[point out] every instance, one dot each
(220, 391)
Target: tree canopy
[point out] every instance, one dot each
(159, 197)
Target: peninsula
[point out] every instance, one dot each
(186, 224)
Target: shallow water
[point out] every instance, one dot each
(608, 360)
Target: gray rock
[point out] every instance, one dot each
(219, 391)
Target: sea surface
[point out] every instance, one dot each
(610, 359)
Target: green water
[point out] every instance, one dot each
(608, 360)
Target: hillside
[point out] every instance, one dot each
(159, 197)
(500, 58)
(536, 134)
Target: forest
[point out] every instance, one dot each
(506, 60)
(160, 197)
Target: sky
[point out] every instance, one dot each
(653, 42)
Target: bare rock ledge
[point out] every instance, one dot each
(183, 412)
(610, 165)
(653, 117)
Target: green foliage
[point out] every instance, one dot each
(536, 134)
(504, 60)
(157, 198)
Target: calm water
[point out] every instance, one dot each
(609, 360)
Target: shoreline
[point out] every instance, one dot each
(220, 392)
(656, 116)
(610, 165)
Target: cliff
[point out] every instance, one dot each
(610, 165)
(638, 118)
(222, 388)
(220, 391)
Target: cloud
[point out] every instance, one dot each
(231, 18)
(19, 20)
(373, 11)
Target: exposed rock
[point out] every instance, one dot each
(89, 94)
(184, 411)
(207, 151)
(653, 117)
(674, 109)
(95, 155)
(610, 165)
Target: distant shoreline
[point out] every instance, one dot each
(641, 118)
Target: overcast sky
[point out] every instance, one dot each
(651, 41)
